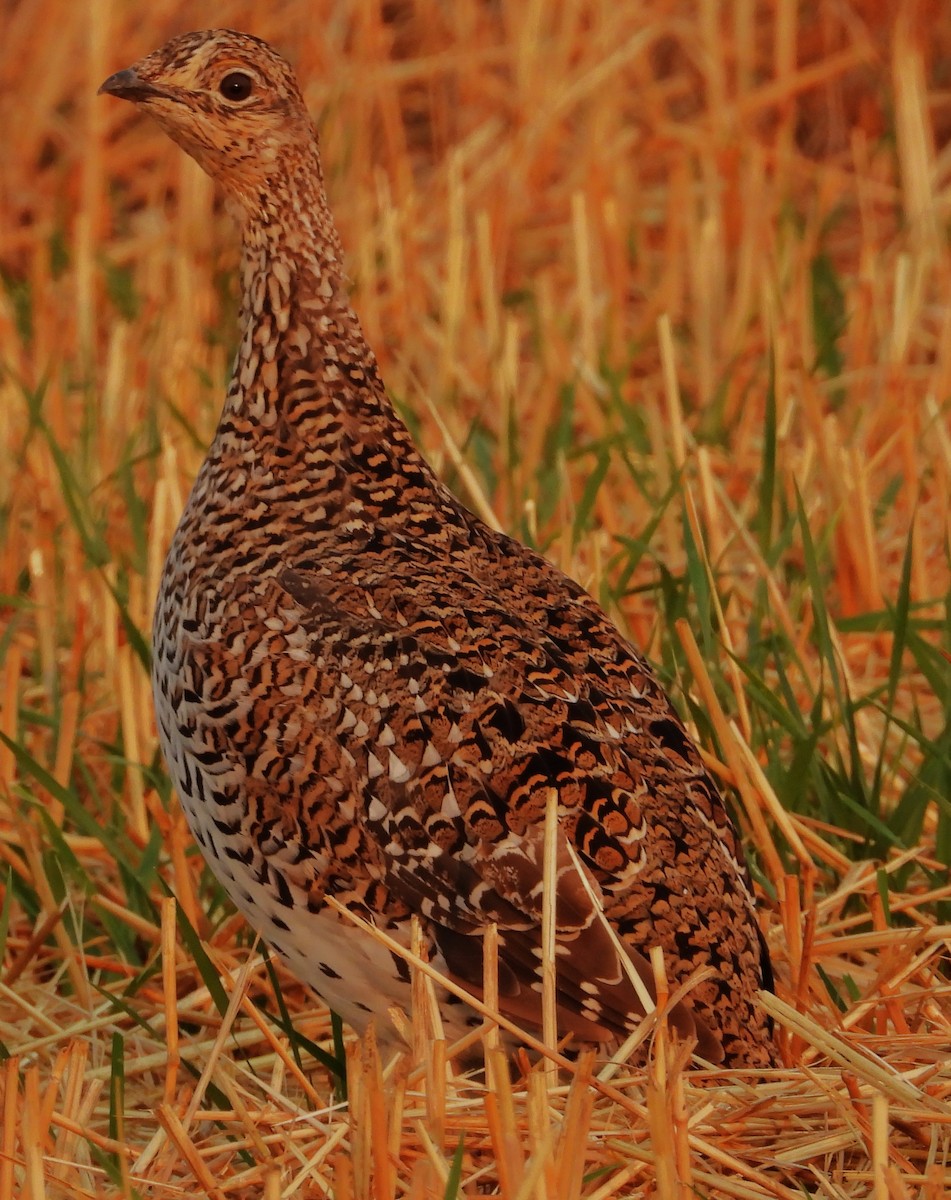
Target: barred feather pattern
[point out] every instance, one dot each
(362, 691)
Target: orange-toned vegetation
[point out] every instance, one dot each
(662, 285)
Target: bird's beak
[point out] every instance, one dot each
(128, 85)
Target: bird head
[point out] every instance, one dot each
(229, 101)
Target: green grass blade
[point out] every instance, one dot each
(206, 967)
(454, 1179)
(767, 480)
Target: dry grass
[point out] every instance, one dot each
(663, 271)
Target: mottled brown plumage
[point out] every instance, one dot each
(362, 691)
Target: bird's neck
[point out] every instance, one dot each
(306, 402)
(303, 371)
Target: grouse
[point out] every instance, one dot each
(363, 692)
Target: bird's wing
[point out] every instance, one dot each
(453, 722)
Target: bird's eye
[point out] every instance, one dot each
(236, 85)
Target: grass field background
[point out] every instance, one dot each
(664, 288)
